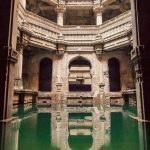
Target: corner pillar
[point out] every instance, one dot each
(8, 56)
(23, 2)
(60, 14)
(21, 45)
(140, 55)
(98, 9)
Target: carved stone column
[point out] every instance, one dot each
(98, 9)
(140, 55)
(15, 133)
(23, 2)
(18, 77)
(60, 14)
(61, 48)
(22, 43)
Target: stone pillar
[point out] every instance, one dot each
(140, 56)
(21, 45)
(18, 79)
(99, 18)
(8, 56)
(98, 9)
(60, 14)
(23, 2)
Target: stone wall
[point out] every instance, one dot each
(60, 72)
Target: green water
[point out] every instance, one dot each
(76, 131)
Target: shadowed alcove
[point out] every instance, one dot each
(45, 75)
(114, 74)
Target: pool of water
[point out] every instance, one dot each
(74, 129)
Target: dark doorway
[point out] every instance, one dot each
(45, 75)
(79, 75)
(114, 75)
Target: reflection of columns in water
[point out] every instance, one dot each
(9, 135)
(142, 138)
(15, 134)
(59, 126)
(100, 129)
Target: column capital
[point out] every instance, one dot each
(98, 8)
(60, 8)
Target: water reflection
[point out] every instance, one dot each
(74, 129)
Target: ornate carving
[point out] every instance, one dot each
(61, 45)
(45, 32)
(98, 7)
(101, 86)
(106, 74)
(136, 59)
(23, 40)
(61, 7)
(13, 55)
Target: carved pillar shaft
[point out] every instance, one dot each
(98, 9)
(18, 77)
(60, 14)
(99, 19)
(60, 19)
(140, 55)
(23, 2)
(23, 42)
(8, 55)
(20, 63)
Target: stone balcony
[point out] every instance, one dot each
(112, 34)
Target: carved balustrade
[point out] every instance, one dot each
(117, 31)
(79, 34)
(45, 33)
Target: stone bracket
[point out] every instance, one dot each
(13, 54)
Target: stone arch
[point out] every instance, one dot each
(45, 75)
(80, 74)
(114, 74)
(77, 61)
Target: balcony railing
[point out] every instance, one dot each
(79, 34)
(42, 27)
(45, 30)
(116, 26)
